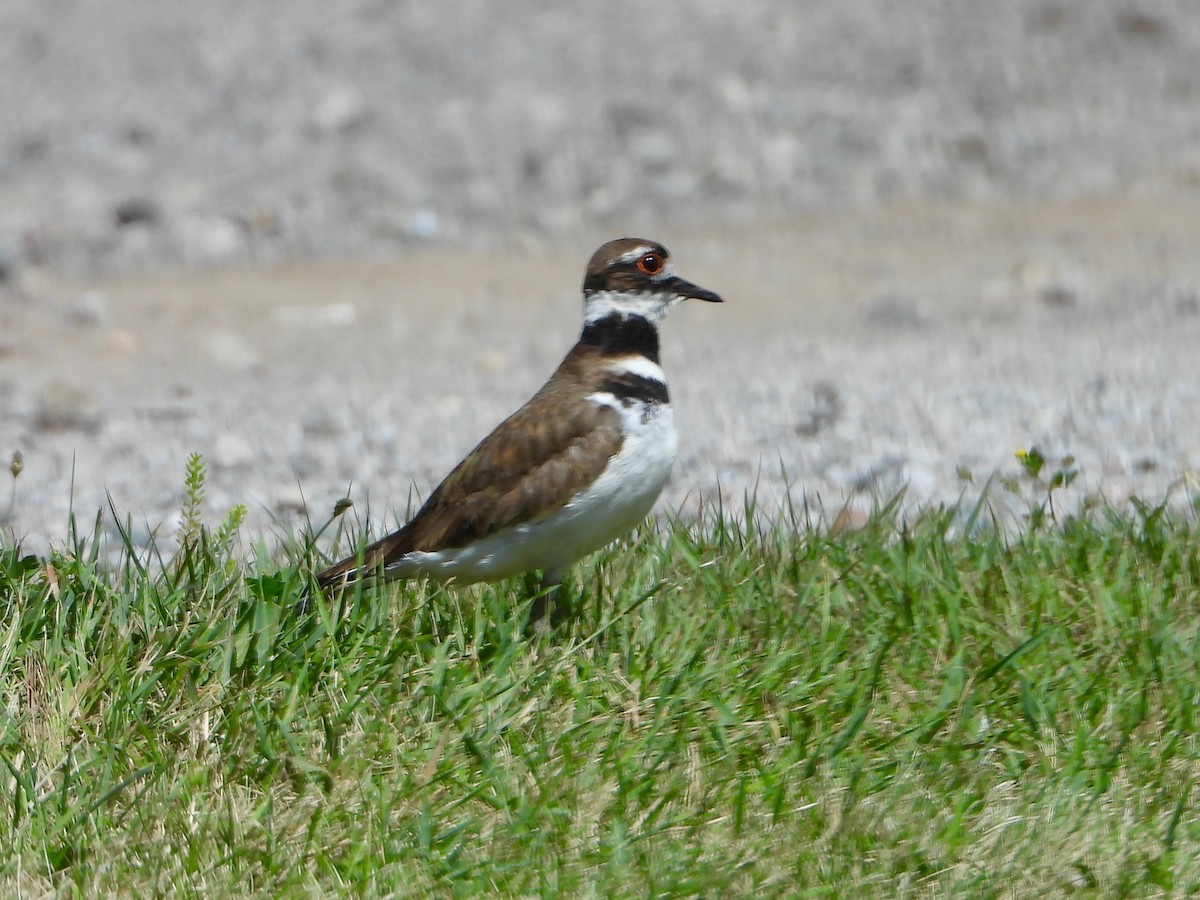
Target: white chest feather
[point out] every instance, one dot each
(623, 494)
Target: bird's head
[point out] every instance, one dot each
(635, 277)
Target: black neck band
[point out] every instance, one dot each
(619, 335)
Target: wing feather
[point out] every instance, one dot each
(532, 463)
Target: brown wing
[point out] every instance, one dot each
(534, 461)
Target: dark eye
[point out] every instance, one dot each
(651, 263)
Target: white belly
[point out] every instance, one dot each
(615, 502)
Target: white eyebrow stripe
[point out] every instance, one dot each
(631, 256)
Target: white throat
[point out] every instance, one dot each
(598, 305)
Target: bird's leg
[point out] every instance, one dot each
(551, 607)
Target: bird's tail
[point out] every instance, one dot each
(367, 564)
(333, 581)
(342, 574)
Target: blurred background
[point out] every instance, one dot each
(143, 135)
(333, 244)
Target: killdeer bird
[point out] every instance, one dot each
(573, 469)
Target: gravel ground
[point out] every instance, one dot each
(334, 248)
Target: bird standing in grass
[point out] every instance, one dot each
(573, 469)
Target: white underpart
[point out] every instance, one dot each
(614, 503)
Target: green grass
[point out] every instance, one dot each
(893, 711)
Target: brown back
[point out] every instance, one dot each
(534, 460)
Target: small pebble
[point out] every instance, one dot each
(322, 423)
(231, 350)
(340, 111)
(825, 411)
(66, 407)
(1057, 285)
(894, 311)
(232, 451)
(89, 310)
(211, 239)
(136, 210)
(289, 498)
(423, 225)
(119, 342)
(329, 315)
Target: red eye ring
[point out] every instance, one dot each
(651, 263)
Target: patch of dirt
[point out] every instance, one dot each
(915, 345)
(330, 248)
